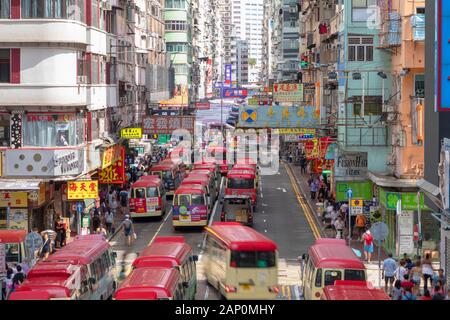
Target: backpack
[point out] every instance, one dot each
(360, 221)
(369, 239)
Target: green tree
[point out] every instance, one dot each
(251, 62)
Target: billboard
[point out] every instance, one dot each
(131, 133)
(80, 190)
(278, 117)
(235, 93)
(443, 56)
(167, 124)
(351, 164)
(288, 92)
(114, 173)
(228, 69)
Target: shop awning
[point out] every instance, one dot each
(391, 181)
(17, 184)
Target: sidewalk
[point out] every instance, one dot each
(327, 232)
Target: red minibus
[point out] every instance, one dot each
(148, 197)
(327, 261)
(170, 174)
(30, 295)
(240, 262)
(190, 207)
(220, 155)
(15, 249)
(242, 182)
(353, 290)
(83, 269)
(156, 282)
(204, 181)
(177, 161)
(175, 252)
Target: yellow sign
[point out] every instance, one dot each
(131, 133)
(79, 190)
(296, 131)
(357, 203)
(14, 199)
(111, 155)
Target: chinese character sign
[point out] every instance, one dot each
(167, 125)
(228, 74)
(13, 199)
(79, 190)
(131, 133)
(288, 92)
(115, 173)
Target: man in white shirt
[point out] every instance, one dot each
(339, 224)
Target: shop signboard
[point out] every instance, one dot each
(235, 93)
(115, 173)
(41, 195)
(405, 245)
(288, 92)
(111, 155)
(167, 125)
(80, 190)
(351, 165)
(131, 133)
(278, 117)
(228, 75)
(18, 219)
(14, 199)
(361, 190)
(308, 133)
(408, 200)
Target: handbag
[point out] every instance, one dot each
(134, 236)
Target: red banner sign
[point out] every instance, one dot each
(115, 173)
(319, 165)
(167, 124)
(202, 105)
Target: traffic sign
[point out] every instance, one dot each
(379, 231)
(356, 206)
(80, 207)
(349, 193)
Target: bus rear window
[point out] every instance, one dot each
(152, 192)
(252, 259)
(167, 174)
(241, 183)
(139, 193)
(157, 173)
(356, 275)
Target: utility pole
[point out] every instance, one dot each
(221, 95)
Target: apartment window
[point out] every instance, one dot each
(5, 9)
(82, 67)
(176, 25)
(177, 47)
(370, 109)
(4, 130)
(181, 68)
(419, 85)
(362, 10)
(175, 4)
(53, 9)
(52, 130)
(95, 77)
(420, 10)
(5, 66)
(95, 14)
(360, 49)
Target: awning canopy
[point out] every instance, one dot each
(390, 181)
(18, 184)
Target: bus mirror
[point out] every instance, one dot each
(195, 257)
(185, 284)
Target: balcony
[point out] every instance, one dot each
(43, 30)
(336, 23)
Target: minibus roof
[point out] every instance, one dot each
(195, 180)
(240, 166)
(149, 177)
(241, 238)
(83, 250)
(242, 174)
(162, 281)
(163, 166)
(187, 188)
(334, 255)
(146, 183)
(12, 236)
(208, 166)
(56, 287)
(30, 295)
(354, 292)
(175, 251)
(194, 175)
(47, 268)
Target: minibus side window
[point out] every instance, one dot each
(318, 278)
(357, 275)
(187, 271)
(331, 276)
(139, 193)
(311, 271)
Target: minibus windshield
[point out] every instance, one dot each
(236, 183)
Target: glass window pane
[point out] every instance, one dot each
(369, 53)
(360, 53)
(5, 9)
(351, 53)
(331, 276)
(5, 62)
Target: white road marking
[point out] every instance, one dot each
(284, 190)
(265, 230)
(206, 291)
(160, 227)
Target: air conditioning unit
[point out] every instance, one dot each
(388, 108)
(81, 79)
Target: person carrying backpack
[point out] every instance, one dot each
(368, 245)
(128, 229)
(360, 225)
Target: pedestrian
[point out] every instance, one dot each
(416, 275)
(438, 293)
(9, 287)
(368, 245)
(95, 222)
(339, 225)
(101, 230)
(303, 164)
(426, 295)
(397, 291)
(114, 206)
(360, 225)
(427, 271)
(123, 198)
(46, 248)
(408, 295)
(109, 220)
(19, 277)
(60, 233)
(409, 264)
(110, 196)
(401, 271)
(406, 283)
(313, 188)
(440, 277)
(128, 229)
(389, 267)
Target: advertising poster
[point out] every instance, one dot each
(18, 219)
(115, 173)
(62, 134)
(80, 190)
(288, 92)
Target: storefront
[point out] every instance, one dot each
(400, 213)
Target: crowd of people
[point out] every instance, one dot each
(403, 279)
